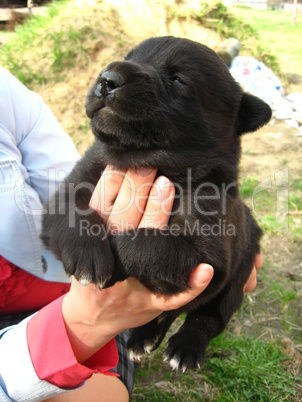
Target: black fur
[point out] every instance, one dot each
(172, 105)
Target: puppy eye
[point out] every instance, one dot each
(175, 78)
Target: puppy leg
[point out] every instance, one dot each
(186, 349)
(159, 260)
(82, 246)
(73, 231)
(148, 337)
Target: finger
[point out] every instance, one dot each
(258, 261)
(159, 204)
(106, 191)
(130, 203)
(252, 281)
(199, 280)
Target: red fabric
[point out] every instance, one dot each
(52, 355)
(48, 343)
(22, 292)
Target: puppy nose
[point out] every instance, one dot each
(113, 79)
(109, 81)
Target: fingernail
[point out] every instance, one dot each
(141, 171)
(162, 189)
(205, 273)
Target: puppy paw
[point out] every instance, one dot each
(89, 261)
(183, 355)
(139, 349)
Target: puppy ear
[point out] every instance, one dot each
(253, 114)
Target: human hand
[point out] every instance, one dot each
(93, 316)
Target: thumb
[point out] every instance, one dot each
(200, 277)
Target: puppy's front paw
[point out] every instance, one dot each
(183, 354)
(90, 260)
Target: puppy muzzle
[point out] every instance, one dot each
(109, 82)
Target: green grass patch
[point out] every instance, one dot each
(262, 202)
(218, 17)
(67, 46)
(247, 186)
(45, 47)
(276, 208)
(252, 371)
(284, 295)
(236, 369)
(295, 196)
(16, 55)
(297, 184)
(277, 301)
(277, 34)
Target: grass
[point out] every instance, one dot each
(277, 33)
(66, 47)
(228, 25)
(285, 295)
(244, 373)
(236, 369)
(261, 198)
(274, 207)
(61, 46)
(15, 54)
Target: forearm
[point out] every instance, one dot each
(85, 325)
(37, 360)
(18, 379)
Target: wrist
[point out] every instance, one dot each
(86, 330)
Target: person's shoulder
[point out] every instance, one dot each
(19, 107)
(4, 72)
(10, 86)
(6, 77)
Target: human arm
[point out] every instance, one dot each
(35, 155)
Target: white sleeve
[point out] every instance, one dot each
(33, 136)
(35, 155)
(18, 379)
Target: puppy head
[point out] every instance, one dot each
(170, 96)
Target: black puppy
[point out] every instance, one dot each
(172, 105)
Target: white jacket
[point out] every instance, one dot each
(35, 155)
